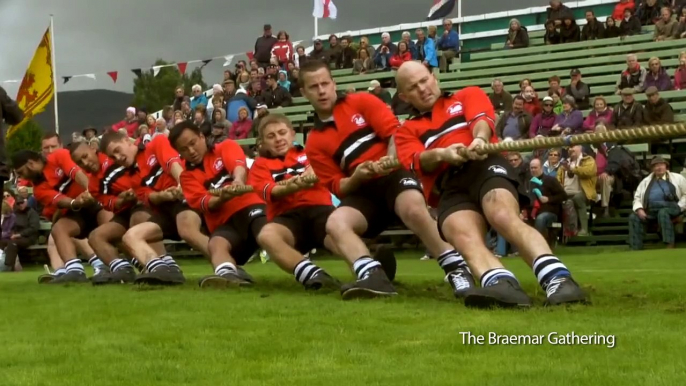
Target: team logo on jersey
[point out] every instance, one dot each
(152, 160)
(358, 119)
(408, 182)
(255, 213)
(455, 108)
(302, 158)
(497, 169)
(59, 172)
(106, 163)
(218, 164)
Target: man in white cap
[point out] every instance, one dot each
(378, 91)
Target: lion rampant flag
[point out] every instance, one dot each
(37, 87)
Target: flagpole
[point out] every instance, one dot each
(54, 73)
(459, 16)
(316, 27)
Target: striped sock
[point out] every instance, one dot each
(117, 264)
(60, 271)
(491, 276)
(137, 264)
(305, 270)
(548, 267)
(225, 268)
(74, 265)
(95, 262)
(363, 265)
(155, 264)
(451, 260)
(170, 261)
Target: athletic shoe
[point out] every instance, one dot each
(374, 284)
(505, 292)
(163, 275)
(70, 277)
(176, 275)
(125, 275)
(322, 280)
(564, 290)
(243, 274)
(386, 257)
(100, 270)
(425, 258)
(224, 281)
(46, 278)
(461, 281)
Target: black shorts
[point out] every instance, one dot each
(123, 218)
(86, 218)
(241, 231)
(308, 225)
(165, 217)
(375, 199)
(463, 187)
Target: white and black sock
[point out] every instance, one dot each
(60, 271)
(170, 261)
(305, 270)
(225, 268)
(155, 264)
(548, 267)
(95, 262)
(137, 264)
(74, 265)
(118, 264)
(363, 265)
(491, 276)
(451, 260)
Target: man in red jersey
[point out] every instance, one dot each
(112, 186)
(58, 182)
(298, 211)
(158, 168)
(234, 220)
(351, 135)
(474, 192)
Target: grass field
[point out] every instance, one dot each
(276, 334)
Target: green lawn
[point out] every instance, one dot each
(276, 334)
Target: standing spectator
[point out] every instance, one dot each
(569, 31)
(401, 56)
(578, 89)
(263, 46)
(449, 43)
(500, 98)
(432, 33)
(531, 102)
(558, 12)
(549, 197)
(129, 123)
(666, 27)
(300, 56)
(579, 177)
(180, 97)
(228, 75)
(318, 52)
(514, 123)
(23, 233)
(381, 93)
(241, 99)
(410, 44)
(364, 44)
(680, 73)
(275, 95)
(552, 35)
(218, 134)
(600, 113)
(657, 76)
(630, 24)
(660, 198)
(633, 77)
(657, 110)
(517, 35)
(242, 126)
(611, 29)
(570, 120)
(334, 51)
(605, 181)
(384, 51)
(347, 56)
(363, 64)
(618, 12)
(553, 163)
(593, 29)
(282, 48)
(648, 12)
(426, 50)
(199, 97)
(628, 112)
(543, 122)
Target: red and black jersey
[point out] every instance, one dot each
(216, 171)
(266, 172)
(153, 167)
(451, 121)
(359, 131)
(109, 182)
(58, 180)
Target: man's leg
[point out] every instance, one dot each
(224, 241)
(581, 206)
(544, 221)
(12, 248)
(103, 239)
(606, 193)
(55, 260)
(636, 232)
(664, 219)
(63, 231)
(189, 228)
(137, 240)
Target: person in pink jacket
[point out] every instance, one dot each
(680, 73)
(241, 127)
(600, 112)
(130, 123)
(283, 49)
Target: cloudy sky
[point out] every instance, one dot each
(97, 36)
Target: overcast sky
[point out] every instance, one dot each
(97, 36)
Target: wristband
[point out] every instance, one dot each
(71, 206)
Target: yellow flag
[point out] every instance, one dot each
(36, 88)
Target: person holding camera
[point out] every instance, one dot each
(660, 198)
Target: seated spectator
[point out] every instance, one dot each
(401, 56)
(347, 56)
(143, 135)
(517, 35)
(578, 89)
(426, 50)
(514, 123)
(531, 102)
(229, 89)
(364, 43)
(218, 134)
(200, 120)
(260, 112)
(680, 73)
(411, 46)
(557, 101)
(282, 48)
(611, 28)
(275, 95)
(524, 83)
(570, 120)
(91, 132)
(432, 33)
(648, 12)
(94, 143)
(318, 52)
(449, 43)
(657, 76)
(161, 127)
(8, 198)
(680, 29)
(558, 11)
(178, 116)
(552, 35)
(198, 98)
(363, 64)
(23, 232)
(553, 162)
(283, 81)
(129, 123)
(217, 103)
(600, 113)
(659, 198)
(630, 24)
(256, 92)
(228, 75)
(241, 128)
(300, 56)
(633, 77)
(23, 192)
(628, 113)
(543, 122)
(240, 99)
(168, 115)
(399, 106)
(381, 93)
(593, 29)
(295, 89)
(657, 110)
(549, 196)
(666, 27)
(384, 52)
(180, 97)
(500, 99)
(554, 84)
(578, 176)
(219, 116)
(569, 31)
(334, 50)
(618, 12)
(217, 100)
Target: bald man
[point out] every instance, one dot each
(474, 191)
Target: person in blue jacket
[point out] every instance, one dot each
(426, 50)
(449, 43)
